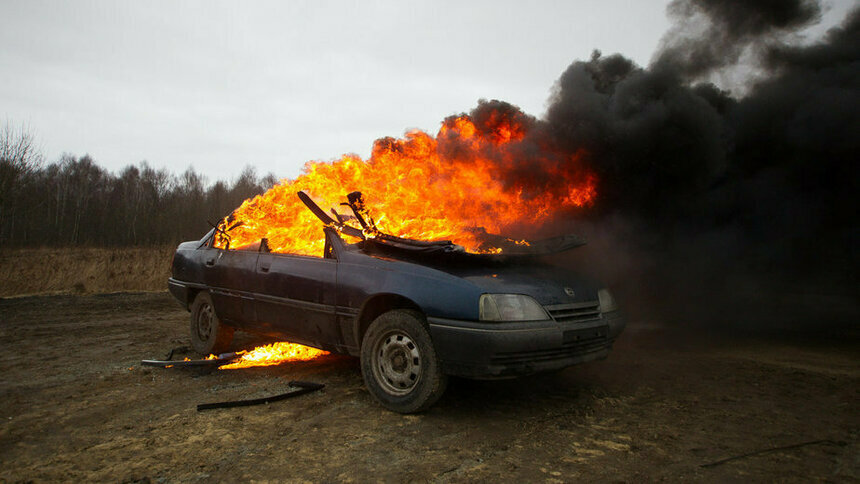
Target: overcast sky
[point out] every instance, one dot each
(220, 85)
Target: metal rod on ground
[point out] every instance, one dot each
(772, 449)
(305, 387)
(178, 350)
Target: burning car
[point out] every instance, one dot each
(414, 311)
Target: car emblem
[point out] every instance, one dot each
(569, 292)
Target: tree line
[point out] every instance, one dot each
(75, 202)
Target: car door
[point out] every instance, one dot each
(296, 297)
(230, 275)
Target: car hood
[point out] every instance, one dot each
(549, 285)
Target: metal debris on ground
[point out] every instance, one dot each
(220, 360)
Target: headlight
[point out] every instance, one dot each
(510, 307)
(607, 302)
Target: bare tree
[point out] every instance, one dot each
(19, 157)
(269, 181)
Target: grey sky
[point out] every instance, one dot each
(219, 85)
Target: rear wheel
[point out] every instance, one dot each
(208, 333)
(399, 363)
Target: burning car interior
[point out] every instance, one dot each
(363, 233)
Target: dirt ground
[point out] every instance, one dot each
(77, 406)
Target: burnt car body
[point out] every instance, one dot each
(413, 316)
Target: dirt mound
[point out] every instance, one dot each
(84, 270)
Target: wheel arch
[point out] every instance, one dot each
(377, 305)
(192, 295)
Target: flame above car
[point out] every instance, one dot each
(456, 186)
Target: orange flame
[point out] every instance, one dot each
(471, 175)
(274, 354)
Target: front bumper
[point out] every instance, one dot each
(497, 350)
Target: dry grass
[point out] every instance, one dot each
(84, 270)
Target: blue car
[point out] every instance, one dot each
(414, 312)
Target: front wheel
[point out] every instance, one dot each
(399, 363)
(208, 333)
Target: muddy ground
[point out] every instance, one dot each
(77, 406)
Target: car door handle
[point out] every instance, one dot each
(210, 262)
(264, 267)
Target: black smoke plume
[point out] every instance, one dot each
(740, 203)
(710, 34)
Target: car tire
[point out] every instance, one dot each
(208, 334)
(399, 363)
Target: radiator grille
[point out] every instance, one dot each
(576, 312)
